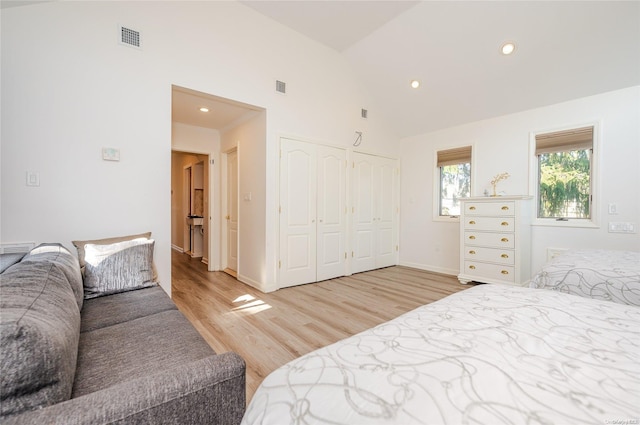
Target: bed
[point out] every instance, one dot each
(601, 274)
(491, 354)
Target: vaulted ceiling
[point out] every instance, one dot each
(564, 50)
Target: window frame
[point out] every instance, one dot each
(437, 181)
(534, 184)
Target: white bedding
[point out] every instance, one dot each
(602, 274)
(491, 354)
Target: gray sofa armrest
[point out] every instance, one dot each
(206, 391)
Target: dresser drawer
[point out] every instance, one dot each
(507, 208)
(493, 255)
(493, 240)
(490, 271)
(493, 224)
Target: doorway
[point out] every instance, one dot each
(222, 129)
(190, 204)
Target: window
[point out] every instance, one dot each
(454, 168)
(565, 174)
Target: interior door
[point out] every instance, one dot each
(386, 212)
(364, 238)
(297, 263)
(375, 212)
(331, 212)
(232, 211)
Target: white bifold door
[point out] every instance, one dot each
(374, 212)
(312, 212)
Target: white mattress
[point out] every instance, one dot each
(602, 274)
(491, 354)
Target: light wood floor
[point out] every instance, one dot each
(269, 330)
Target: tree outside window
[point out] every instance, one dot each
(565, 174)
(454, 167)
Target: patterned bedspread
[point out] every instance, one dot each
(491, 354)
(602, 274)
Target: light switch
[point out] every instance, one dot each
(613, 209)
(33, 179)
(247, 196)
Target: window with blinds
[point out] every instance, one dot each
(565, 164)
(454, 166)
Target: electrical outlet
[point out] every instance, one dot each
(622, 227)
(613, 209)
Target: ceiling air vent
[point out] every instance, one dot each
(364, 113)
(281, 87)
(129, 37)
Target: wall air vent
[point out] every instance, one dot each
(281, 87)
(364, 113)
(130, 37)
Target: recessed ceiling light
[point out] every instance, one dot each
(203, 109)
(415, 84)
(508, 48)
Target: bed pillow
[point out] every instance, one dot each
(118, 267)
(108, 241)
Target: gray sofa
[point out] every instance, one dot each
(126, 358)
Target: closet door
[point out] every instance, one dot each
(297, 263)
(386, 212)
(331, 212)
(364, 238)
(312, 212)
(375, 212)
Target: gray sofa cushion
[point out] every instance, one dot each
(39, 328)
(65, 262)
(8, 260)
(118, 308)
(136, 348)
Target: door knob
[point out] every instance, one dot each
(228, 217)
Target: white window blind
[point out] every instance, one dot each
(454, 156)
(563, 141)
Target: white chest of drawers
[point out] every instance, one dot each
(495, 240)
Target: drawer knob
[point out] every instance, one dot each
(505, 208)
(504, 223)
(472, 267)
(472, 252)
(504, 272)
(472, 208)
(504, 240)
(472, 237)
(472, 222)
(504, 256)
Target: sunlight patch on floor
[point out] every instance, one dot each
(249, 305)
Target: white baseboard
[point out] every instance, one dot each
(255, 284)
(177, 248)
(430, 268)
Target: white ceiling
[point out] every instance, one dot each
(565, 50)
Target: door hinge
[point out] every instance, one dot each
(279, 264)
(397, 248)
(352, 254)
(345, 255)
(211, 161)
(280, 209)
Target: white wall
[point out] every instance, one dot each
(249, 140)
(69, 89)
(502, 144)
